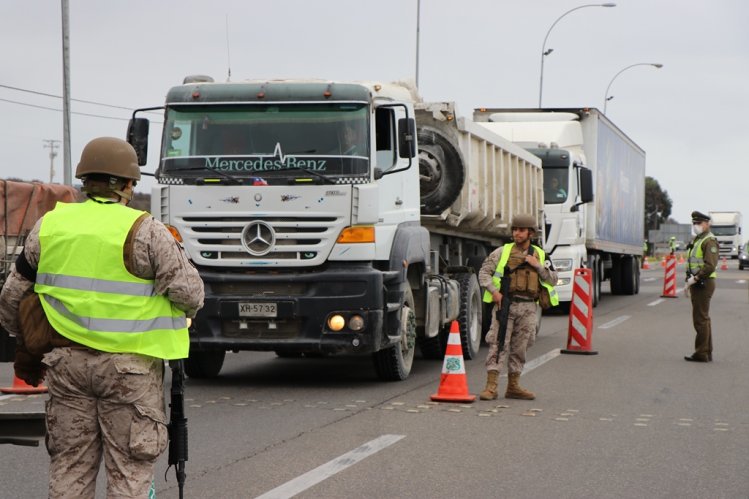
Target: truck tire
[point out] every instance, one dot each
(204, 363)
(394, 362)
(441, 171)
(469, 318)
(594, 264)
(629, 277)
(616, 276)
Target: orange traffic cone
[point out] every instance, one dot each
(453, 383)
(645, 264)
(681, 258)
(724, 265)
(20, 387)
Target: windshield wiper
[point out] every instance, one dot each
(218, 172)
(311, 172)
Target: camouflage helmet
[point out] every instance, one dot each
(524, 221)
(109, 156)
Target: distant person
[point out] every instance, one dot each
(672, 245)
(554, 191)
(702, 260)
(97, 299)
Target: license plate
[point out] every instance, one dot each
(258, 309)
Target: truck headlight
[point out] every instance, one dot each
(563, 264)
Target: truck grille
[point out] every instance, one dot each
(244, 240)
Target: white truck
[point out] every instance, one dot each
(317, 225)
(584, 153)
(726, 227)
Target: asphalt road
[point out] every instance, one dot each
(634, 421)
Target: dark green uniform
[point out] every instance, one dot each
(701, 263)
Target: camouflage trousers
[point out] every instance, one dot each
(521, 334)
(103, 404)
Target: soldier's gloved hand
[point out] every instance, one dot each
(691, 281)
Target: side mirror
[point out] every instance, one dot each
(137, 136)
(586, 185)
(406, 138)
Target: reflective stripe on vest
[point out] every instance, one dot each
(80, 244)
(497, 277)
(695, 257)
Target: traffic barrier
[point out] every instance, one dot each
(453, 383)
(669, 278)
(724, 264)
(580, 331)
(20, 387)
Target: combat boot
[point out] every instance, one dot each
(490, 392)
(515, 391)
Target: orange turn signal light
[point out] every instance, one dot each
(175, 233)
(357, 234)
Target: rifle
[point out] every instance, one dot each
(178, 424)
(503, 311)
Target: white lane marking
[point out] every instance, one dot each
(615, 322)
(741, 281)
(539, 361)
(648, 279)
(317, 475)
(656, 302)
(3, 397)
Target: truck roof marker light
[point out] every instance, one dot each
(261, 95)
(175, 233)
(196, 94)
(357, 234)
(327, 94)
(377, 87)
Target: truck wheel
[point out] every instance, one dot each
(616, 276)
(629, 275)
(469, 318)
(204, 363)
(441, 171)
(433, 348)
(394, 362)
(594, 263)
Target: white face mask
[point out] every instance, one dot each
(697, 228)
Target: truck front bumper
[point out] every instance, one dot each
(288, 311)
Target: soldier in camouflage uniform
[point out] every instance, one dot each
(97, 299)
(525, 288)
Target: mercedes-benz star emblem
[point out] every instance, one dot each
(258, 238)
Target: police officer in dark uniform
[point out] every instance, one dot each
(702, 261)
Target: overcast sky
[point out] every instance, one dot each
(691, 117)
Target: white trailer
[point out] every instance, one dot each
(319, 227)
(583, 152)
(726, 227)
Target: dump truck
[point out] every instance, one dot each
(594, 192)
(333, 217)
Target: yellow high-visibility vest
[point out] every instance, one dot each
(87, 292)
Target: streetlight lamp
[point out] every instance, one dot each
(545, 52)
(606, 97)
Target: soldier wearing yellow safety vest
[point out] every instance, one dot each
(702, 260)
(529, 272)
(97, 299)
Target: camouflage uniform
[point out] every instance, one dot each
(521, 324)
(104, 404)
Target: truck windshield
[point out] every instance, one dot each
(555, 185)
(723, 230)
(267, 140)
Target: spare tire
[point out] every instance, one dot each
(441, 171)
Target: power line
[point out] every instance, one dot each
(60, 110)
(60, 97)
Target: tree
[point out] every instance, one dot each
(657, 205)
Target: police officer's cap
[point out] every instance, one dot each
(698, 217)
(523, 221)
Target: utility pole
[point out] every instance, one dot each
(67, 171)
(52, 145)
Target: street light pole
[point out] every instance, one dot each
(606, 97)
(545, 52)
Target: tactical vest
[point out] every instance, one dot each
(695, 256)
(88, 294)
(499, 272)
